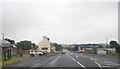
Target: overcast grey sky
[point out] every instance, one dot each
(62, 21)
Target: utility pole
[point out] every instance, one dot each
(3, 35)
(106, 42)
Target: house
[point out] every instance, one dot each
(53, 48)
(44, 45)
(5, 48)
(14, 50)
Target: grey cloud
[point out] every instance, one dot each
(63, 22)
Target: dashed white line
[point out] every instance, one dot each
(84, 56)
(91, 58)
(76, 56)
(35, 65)
(50, 58)
(107, 62)
(73, 59)
(106, 66)
(98, 64)
(95, 59)
(81, 64)
(78, 62)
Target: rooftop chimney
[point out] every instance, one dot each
(44, 37)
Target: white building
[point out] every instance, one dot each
(44, 45)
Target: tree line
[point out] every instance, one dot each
(23, 45)
(27, 45)
(112, 44)
(58, 47)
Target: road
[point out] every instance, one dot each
(70, 60)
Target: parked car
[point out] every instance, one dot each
(35, 52)
(57, 52)
(63, 52)
(45, 52)
(81, 51)
(102, 52)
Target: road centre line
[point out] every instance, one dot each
(91, 58)
(94, 59)
(98, 64)
(81, 64)
(106, 66)
(78, 62)
(76, 56)
(84, 56)
(107, 62)
(73, 59)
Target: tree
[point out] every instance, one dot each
(34, 46)
(24, 45)
(10, 40)
(114, 44)
(58, 47)
(75, 48)
(100, 46)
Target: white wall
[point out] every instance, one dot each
(44, 43)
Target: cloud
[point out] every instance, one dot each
(63, 22)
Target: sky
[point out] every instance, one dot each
(62, 21)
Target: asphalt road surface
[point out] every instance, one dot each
(70, 60)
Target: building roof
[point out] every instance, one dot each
(4, 43)
(14, 46)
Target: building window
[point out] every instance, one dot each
(44, 48)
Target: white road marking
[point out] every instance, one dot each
(106, 66)
(107, 62)
(78, 62)
(84, 56)
(76, 56)
(95, 59)
(81, 64)
(68, 55)
(73, 59)
(98, 64)
(91, 58)
(50, 58)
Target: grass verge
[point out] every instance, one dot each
(12, 61)
(8, 62)
(113, 55)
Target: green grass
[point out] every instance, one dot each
(0, 59)
(8, 62)
(0, 62)
(20, 57)
(12, 61)
(113, 55)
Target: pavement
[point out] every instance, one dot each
(68, 60)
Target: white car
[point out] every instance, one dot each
(102, 52)
(35, 52)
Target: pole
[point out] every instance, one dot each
(106, 42)
(3, 36)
